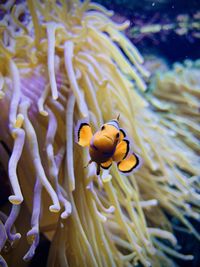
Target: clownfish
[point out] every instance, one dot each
(107, 145)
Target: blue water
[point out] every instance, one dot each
(168, 44)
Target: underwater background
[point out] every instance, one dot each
(167, 34)
(180, 41)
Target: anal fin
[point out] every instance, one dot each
(106, 165)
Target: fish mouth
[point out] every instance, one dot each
(109, 138)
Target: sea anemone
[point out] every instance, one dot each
(66, 60)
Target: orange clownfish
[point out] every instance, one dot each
(107, 145)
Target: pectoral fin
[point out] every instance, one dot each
(121, 151)
(84, 134)
(127, 165)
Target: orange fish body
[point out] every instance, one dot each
(107, 145)
(103, 144)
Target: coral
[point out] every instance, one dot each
(63, 61)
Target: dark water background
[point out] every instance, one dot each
(170, 45)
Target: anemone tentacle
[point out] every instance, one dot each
(67, 60)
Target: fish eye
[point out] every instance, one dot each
(117, 135)
(102, 127)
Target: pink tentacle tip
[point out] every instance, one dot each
(54, 208)
(111, 209)
(67, 212)
(16, 200)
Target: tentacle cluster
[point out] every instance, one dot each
(65, 60)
